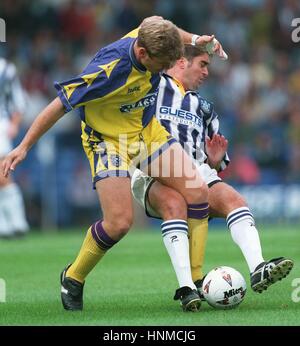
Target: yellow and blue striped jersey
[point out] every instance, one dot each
(115, 94)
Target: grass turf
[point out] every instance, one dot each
(134, 283)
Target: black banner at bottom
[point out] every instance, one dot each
(99, 335)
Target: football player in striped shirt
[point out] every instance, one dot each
(194, 123)
(12, 105)
(115, 98)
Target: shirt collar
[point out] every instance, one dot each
(134, 60)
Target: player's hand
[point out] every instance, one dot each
(213, 46)
(10, 162)
(216, 148)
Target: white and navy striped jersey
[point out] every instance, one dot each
(187, 117)
(11, 93)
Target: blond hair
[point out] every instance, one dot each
(161, 39)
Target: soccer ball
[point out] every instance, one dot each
(224, 288)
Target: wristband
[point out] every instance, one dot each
(194, 39)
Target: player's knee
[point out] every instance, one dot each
(197, 194)
(120, 224)
(242, 201)
(174, 206)
(124, 225)
(238, 201)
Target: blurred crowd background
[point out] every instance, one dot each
(256, 92)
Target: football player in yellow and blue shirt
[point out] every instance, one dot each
(115, 96)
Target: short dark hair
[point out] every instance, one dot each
(190, 52)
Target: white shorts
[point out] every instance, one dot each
(141, 183)
(5, 141)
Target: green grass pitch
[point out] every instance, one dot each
(134, 284)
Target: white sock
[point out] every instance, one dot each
(13, 206)
(175, 237)
(244, 233)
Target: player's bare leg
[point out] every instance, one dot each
(188, 183)
(173, 206)
(116, 203)
(174, 168)
(226, 202)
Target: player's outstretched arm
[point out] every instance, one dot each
(44, 121)
(212, 45)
